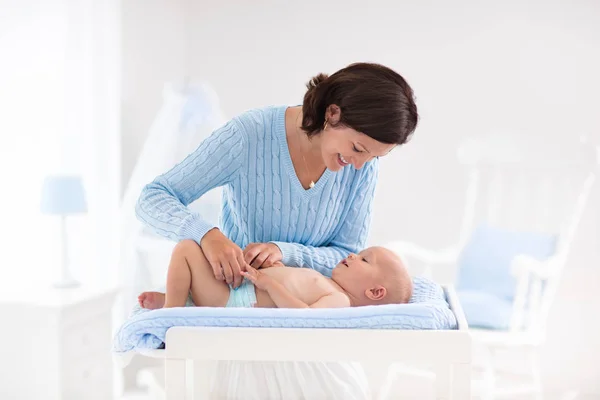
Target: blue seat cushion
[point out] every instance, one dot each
(485, 285)
(485, 311)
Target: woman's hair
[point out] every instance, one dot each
(373, 99)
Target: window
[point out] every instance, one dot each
(58, 114)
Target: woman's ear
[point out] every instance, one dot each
(333, 114)
(376, 293)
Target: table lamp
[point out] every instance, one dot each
(62, 196)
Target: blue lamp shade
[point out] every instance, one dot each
(63, 195)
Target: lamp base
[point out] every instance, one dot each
(66, 284)
(66, 279)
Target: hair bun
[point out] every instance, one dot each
(316, 81)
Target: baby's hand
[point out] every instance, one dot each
(258, 278)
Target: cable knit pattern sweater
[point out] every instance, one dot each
(263, 199)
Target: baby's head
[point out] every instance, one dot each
(375, 276)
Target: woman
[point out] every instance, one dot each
(298, 182)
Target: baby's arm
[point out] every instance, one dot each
(281, 296)
(284, 299)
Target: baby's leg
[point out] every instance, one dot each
(190, 270)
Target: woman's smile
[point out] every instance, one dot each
(342, 161)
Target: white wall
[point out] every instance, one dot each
(475, 66)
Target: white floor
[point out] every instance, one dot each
(147, 377)
(566, 396)
(136, 396)
(413, 387)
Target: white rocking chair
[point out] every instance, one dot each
(526, 186)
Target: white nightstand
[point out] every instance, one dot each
(56, 344)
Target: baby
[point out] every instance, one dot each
(375, 276)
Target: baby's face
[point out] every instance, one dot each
(369, 258)
(358, 273)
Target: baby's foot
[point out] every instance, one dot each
(151, 300)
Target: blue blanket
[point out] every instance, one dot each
(428, 309)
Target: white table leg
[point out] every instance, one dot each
(443, 384)
(175, 381)
(461, 381)
(202, 375)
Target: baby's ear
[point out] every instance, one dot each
(376, 293)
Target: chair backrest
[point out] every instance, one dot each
(527, 184)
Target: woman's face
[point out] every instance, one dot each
(342, 146)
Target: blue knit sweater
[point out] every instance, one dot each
(263, 200)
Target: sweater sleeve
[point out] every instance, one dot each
(350, 237)
(162, 204)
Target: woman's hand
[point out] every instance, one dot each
(258, 278)
(262, 255)
(225, 257)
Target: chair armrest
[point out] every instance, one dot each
(531, 274)
(523, 265)
(407, 249)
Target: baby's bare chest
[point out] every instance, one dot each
(305, 284)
